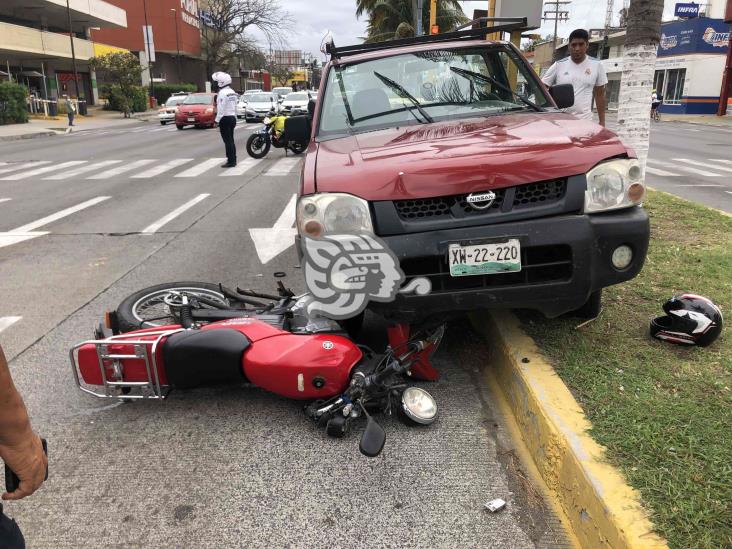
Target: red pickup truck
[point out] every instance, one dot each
(459, 158)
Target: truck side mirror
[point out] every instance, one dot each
(563, 95)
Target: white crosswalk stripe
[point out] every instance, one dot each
(201, 168)
(122, 169)
(7, 321)
(721, 160)
(59, 215)
(5, 200)
(701, 172)
(82, 170)
(662, 173)
(45, 169)
(162, 168)
(679, 166)
(241, 168)
(23, 165)
(282, 167)
(152, 229)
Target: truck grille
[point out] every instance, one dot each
(521, 197)
(539, 264)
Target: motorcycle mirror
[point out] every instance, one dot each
(373, 439)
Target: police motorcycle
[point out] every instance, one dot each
(280, 131)
(183, 335)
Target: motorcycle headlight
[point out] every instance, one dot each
(332, 213)
(267, 120)
(613, 185)
(419, 405)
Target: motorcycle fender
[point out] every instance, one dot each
(303, 367)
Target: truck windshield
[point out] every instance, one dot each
(444, 84)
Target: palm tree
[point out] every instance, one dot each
(641, 44)
(385, 16)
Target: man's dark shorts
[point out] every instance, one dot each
(10, 535)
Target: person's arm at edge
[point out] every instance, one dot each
(599, 92)
(20, 447)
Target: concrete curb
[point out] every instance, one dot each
(27, 136)
(602, 509)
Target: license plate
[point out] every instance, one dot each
(191, 120)
(499, 257)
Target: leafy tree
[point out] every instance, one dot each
(281, 74)
(224, 43)
(123, 70)
(386, 16)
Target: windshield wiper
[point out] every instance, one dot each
(405, 94)
(490, 80)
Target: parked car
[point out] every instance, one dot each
(197, 109)
(295, 103)
(241, 105)
(260, 104)
(500, 200)
(167, 112)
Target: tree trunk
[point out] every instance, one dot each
(634, 103)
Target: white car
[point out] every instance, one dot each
(297, 101)
(167, 112)
(259, 106)
(241, 106)
(282, 91)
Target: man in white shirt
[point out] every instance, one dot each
(226, 101)
(585, 73)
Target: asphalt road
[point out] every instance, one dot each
(91, 223)
(693, 161)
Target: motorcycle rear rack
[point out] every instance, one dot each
(137, 390)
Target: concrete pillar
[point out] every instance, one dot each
(95, 90)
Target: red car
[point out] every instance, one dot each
(198, 109)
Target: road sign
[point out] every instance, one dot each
(687, 10)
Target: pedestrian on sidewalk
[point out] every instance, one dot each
(21, 450)
(585, 73)
(70, 109)
(226, 101)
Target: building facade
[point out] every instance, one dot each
(35, 47)
(174, 39)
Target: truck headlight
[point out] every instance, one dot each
(332, 213)
(613, 185)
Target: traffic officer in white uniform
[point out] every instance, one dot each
(585, 73)
(226, 115)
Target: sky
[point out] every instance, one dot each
(313, 19)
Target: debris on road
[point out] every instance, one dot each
(495, 505)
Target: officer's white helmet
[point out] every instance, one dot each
(221, 78)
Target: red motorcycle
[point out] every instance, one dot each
(191, 334)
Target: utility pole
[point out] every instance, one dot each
(147, 48)
(433, 17)
(418, 30)
(724, 94)
(556, 16)
(73, 53)
(177, 42)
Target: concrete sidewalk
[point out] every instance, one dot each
(98, 118)
(704, 119)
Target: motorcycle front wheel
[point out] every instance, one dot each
(149, 308)
(257, 146)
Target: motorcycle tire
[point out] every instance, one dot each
(259, 152)
(129, 316)
(338, 426)
(298, 148)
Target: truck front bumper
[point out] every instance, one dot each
(564, 259)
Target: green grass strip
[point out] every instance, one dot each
(663, 412)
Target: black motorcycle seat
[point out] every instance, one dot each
(194, 357)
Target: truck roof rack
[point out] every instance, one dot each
(506, 24)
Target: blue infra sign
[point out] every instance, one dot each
(687, 10)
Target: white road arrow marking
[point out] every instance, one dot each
(27, 232)
(8, 321)
(273, 241)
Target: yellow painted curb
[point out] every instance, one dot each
(601, 508)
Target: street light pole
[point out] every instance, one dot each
(147, 48)
(73, 53)
(177, 42)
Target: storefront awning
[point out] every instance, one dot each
(32, 73)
